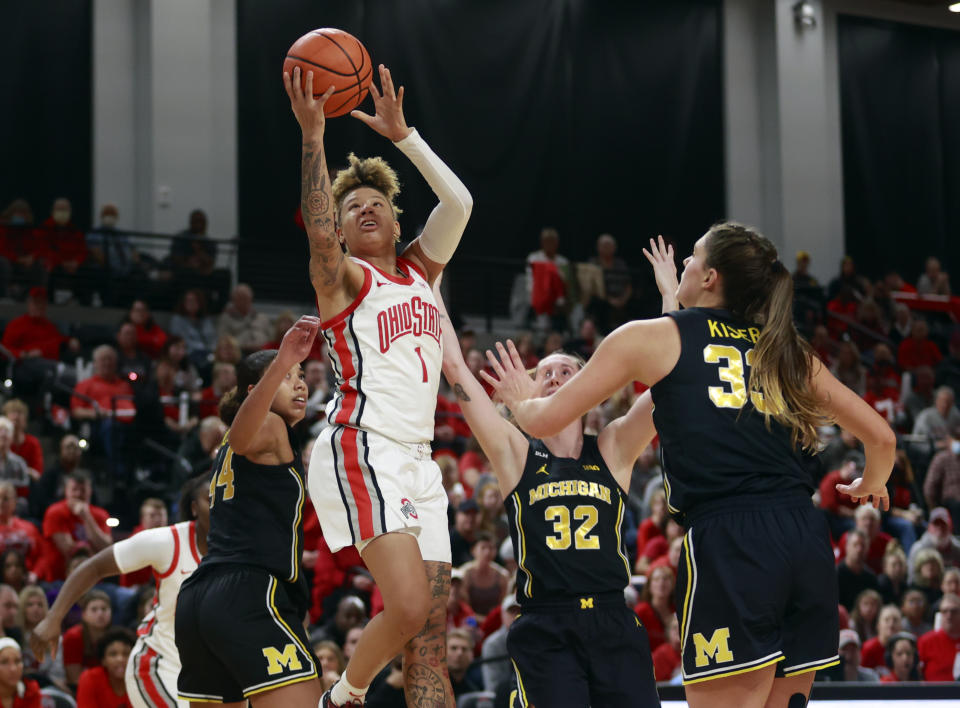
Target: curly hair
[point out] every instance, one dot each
(373, 172)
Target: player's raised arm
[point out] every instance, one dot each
(502, 443)
(434, 247)
(329, 266)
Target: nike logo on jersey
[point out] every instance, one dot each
(543, 470)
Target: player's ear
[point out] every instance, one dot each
(396, 230)
(711, 279)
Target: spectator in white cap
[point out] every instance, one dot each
(15, 691)
(939, 535)
(496, 661)
(850, 653)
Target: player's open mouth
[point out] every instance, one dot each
(300, 400)
(368, 225)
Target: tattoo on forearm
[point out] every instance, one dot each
(314, 190)
(327, 259)
(460, 393)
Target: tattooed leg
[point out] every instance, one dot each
(426, 680)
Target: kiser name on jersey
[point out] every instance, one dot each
(414, 317)
(720, 330)
(570, 488)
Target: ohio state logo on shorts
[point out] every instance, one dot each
(408, 509)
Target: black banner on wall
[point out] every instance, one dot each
(45, 122)
(900, 101)
(590, 115)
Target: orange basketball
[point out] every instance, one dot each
(336, 58)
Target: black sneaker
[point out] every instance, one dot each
(327, 702)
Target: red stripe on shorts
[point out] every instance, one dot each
(143, 671)
(358, 486)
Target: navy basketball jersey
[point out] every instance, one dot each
(566, 522)
(714, 441)
(256, 513)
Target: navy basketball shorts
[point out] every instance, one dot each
(239, 632)
(757, 587)
(589, 651)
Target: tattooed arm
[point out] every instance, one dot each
(335, 277)
(503, 444)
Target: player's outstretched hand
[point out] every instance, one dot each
(44, 637)
(863, 493)
(661, 258)
(513, 384)
(307, 109)
(389, 120)
(298, 341)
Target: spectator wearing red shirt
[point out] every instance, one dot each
(80, 641)
(666, 657)
(24, 250)
(104, 686)
(24, 444)
(657, 547)
(150, 337)
(459, 611)
(902, 660)
(655, 524)
(74, 521)
(917, 350)
(840, 508)
(19, 535)
(336, 575)
(867, 519)
(938, 649)
(672, 559)
(32, 335)
(101, 395)
(15, 691)
(656, 605)
(845, 305)
(106, 399)
(68, 245)
(872, 654)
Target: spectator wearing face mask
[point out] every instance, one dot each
(68, 248)
(113, 258)
(24, 250)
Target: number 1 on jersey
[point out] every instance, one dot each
(422, 363)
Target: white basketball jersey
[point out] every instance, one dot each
(156, 629)
(386, 354)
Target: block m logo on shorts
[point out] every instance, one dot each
(277, 661)
(716, 649)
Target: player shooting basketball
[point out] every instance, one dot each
(372, 480)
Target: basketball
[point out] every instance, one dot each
(336, 58)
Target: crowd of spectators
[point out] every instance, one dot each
(157, 387)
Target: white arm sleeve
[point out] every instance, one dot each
(448, 219)
(153, 547)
